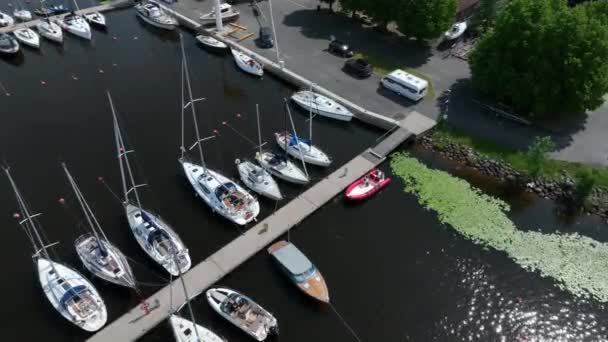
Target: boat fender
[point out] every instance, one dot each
(237, 161)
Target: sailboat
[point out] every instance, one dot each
(257, 178)
(6, 20)
(220, 193)
(8, 44)
(154, 15)
(97, 254)
(153, 235)
(48, 29)
(76, 24)
(21, 13)
(71, 294)
(300, 147)
(227, 13)
(27, 36)
(96, 18)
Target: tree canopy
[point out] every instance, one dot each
(544, 58)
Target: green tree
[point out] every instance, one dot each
(536, 155)
(544, 58)
(424, 19)
(485, 15)
(585, 182)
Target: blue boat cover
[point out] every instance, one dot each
(294, 141)
(71, 293)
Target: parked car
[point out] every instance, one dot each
(340, 48)
(266, 38)
(359, 67)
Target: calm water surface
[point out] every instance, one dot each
(395, 273)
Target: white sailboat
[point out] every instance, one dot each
(299, 147)
(28, 37)
(248, 64)
(321, 105)
(76, 25)
(257, 178)
(219, 192)
(155, 16)
(6, 20)
(21, 13)
(96, 18)
(227, 13)
(8, 44)
(211, 43)
(71, 294)
(97, 254)
(153, 234)
(49, 30)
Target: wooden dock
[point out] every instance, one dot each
(111, 5)
(135, 323)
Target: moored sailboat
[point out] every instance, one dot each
(155, 16)
(8, 45)
(21, 13)
(227, 13)
(97, 254)
(71, 294)
(247, 63)
(96, 18)
(49, 30)
(28, 37)
(321, 105)
(76, 25)
(6, 20)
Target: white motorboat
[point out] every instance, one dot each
(28, 37)
(186, 331)
(456, 31)
(247, 64)
(153, 234)
(22, 15)
(76, 25)
(50, 30)
(6, 20)
(321, 105)
(243, 312)
(96, 18)
(302, 148)
(227, 13)
(281, 167)
(71, 294)
(258, 180)
(8, 44)
(211, 43)
(155, 16)
(97, 254)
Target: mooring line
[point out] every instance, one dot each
(344, 322)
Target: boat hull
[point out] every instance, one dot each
(358, 191)
(52, 32)
(96, 19)
(183, 330)
(338, 113)
(27, 37)
(290, 173)
(314, 156)
(248, 64)
(212, 45)
(210, 18)
(83, 31)
(46, 278)
(164, 26)
(266, 187)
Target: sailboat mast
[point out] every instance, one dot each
(76, 5)
(182, 148)
(295, 134)
(181, 278)
(257, 112)
(122, 152)
(191, 102)
(312, 99)
(83, 205)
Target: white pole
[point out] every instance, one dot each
(219, 26)
(274, 33)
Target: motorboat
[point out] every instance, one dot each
(211, 43)
(27, 36)
(248, 64)
(221, 194)
(456, 31)
(367, 185)
(321, 105)
(98, 255)
(300, 270)
(8, 44)
(155, 16)
(227, 13)
(96, 18)
(154, 235)
(258, 179)
(71, 294)
(6, 20)
(243, 312)
(281, 167)
(184, 331)
(50, 10)
(22, 15)
(50, 30)
(76, 25)
(302, 149)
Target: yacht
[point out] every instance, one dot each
(248, 64)
(27, 36)
(76, 25)
(243, 312)
(8, 44)
(211, 43)
(259, 180)
(302, 148)
(281, 167)
(22, 14)
(6, 20)
(186, 331)
(321, 105)
(96, 18)
(227, 13)
(49, 30)
(155, 16)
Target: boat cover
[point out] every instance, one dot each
(158, 235)
(225, 189)
(294, 141)
(294, 260)
(71, 293)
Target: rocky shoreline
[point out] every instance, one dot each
(563, 190)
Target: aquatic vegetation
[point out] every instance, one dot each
(577, 262)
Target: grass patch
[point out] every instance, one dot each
(383, 66)
(578, 263)
(551, 169)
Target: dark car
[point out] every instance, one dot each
(340, 48)
(266, 39)
(359, 67)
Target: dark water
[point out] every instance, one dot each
(395, 273)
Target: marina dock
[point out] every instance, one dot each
(136, 323)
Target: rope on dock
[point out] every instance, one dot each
(344, 322)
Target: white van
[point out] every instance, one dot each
(404, 84)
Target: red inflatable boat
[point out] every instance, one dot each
(367, 186)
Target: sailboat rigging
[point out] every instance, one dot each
(71, 294)
(98, 255)
(153, 234)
